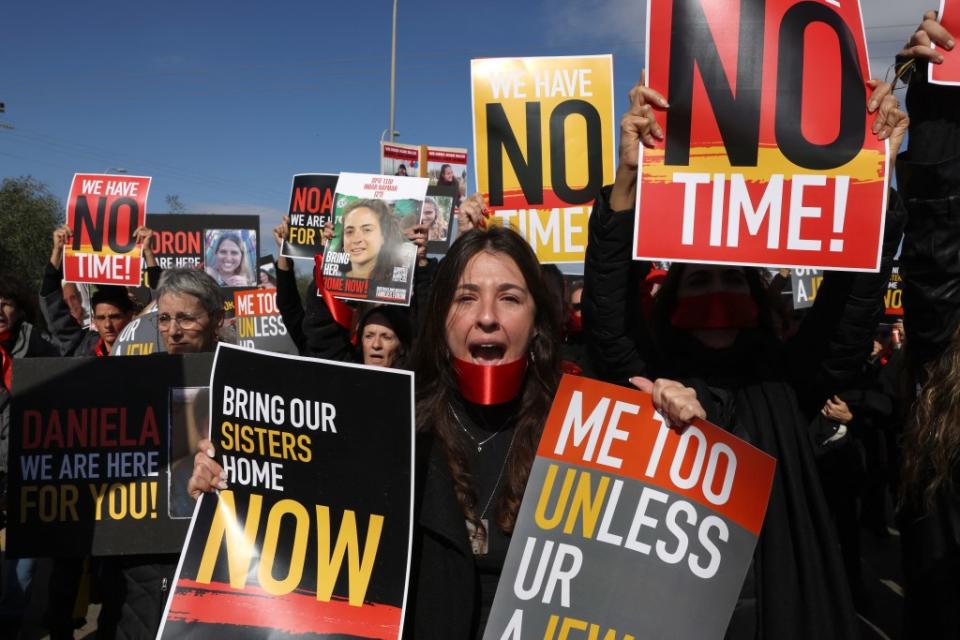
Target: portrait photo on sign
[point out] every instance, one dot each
(230, 256)
(369, 257)
(267, 275)
(189, 423)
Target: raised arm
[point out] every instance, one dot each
(614, 327)
(928, 176)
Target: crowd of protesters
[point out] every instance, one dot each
(859, 411)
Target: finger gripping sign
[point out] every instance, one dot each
(103, 211)
(768, 155)
(312, 536)
(948, 72)
(629, 529)
(543, 134)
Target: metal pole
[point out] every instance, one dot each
(393, 74)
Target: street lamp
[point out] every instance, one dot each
(393, 75)
(114, 170)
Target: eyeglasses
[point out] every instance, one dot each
(185, 321)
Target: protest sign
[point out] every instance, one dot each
(268, 272)
(312, 535)
(768, 155)
(947, 72)
(369, 258)
(447, 166)
(103, 211)
(258, 323)
(437, 214)
(543, 138)
(805, 283)
(141, 336)
(179, 239)
(193, 241)
(102, 451)
(311, 206)
(397, 159)
(628, 528)
(893, 297)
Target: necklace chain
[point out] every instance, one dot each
(477, 443)
(499, 475)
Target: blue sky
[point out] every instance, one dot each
(221, 102)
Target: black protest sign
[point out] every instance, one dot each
(311, 207)
(312, 536)
(91, 445)
(805, 283)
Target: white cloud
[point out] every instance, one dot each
(605, 23)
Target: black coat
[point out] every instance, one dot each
(443, 594)
(766, 393)
(929, 177)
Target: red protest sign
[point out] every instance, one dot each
(768, 156)
(103, 211)
(703, 463)
(255, 302)
(947, 72)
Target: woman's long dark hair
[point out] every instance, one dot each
(931, 439)
(437, 384)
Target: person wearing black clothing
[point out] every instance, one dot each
(928, 175)
(486, 363)
(19, 338)
(712, 330)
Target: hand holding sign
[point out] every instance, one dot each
(928, 33)
(61, 237)
(207, 474)
(675, 402)
(637, 126)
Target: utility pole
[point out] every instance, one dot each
(393, 75)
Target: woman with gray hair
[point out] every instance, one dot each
(189, 311)
(135, 588)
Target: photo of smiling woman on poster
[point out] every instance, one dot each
(229, 257)
(373, 240)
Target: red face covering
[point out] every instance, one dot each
(489, 384)
(720, 310)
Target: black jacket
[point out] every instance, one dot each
(929, 177)
(443, 575)
(767, 394)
